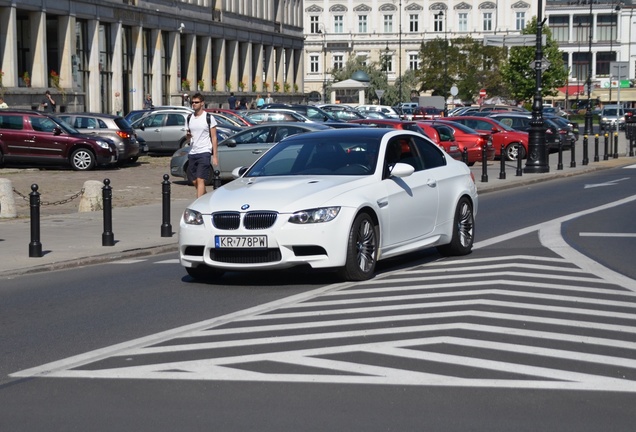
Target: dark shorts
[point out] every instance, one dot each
(200, 165)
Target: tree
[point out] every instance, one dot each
(519, 73)
(463, 62)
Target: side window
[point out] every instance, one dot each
(102, 124)
(403, 149)
(445, 133)
(42, 124)
(155, 120)
(314, 114)
(508, 122)
(175, 120)
(429, 154)
(11, 122)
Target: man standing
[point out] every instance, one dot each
(203, 144)
(232, 101)
(48, 103)
(148, 102)
(269, 99)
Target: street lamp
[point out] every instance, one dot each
(400, 51)
(324, 65)
(537, 158)
(588, 110)
(386, 65)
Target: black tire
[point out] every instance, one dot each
(362, 250)
(133, 159)
(463, 231)
(82, 159)
(513, 151)
(1, 159)
(203, 272)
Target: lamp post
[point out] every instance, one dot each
(386, 66)
(537, 158)
(439, 17)
(588, 109)
(400, 51)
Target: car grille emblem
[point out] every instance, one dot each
(245, 206)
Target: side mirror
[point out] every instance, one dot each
(230, 143)
(57, 130)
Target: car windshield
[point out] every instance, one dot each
(48, 124)
(611, 112)
(315, 156)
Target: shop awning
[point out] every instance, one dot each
(573, 90)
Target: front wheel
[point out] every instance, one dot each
(463, 230)
(514, 151)
(362, 250)
(82, 160)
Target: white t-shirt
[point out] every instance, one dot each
(201, 142)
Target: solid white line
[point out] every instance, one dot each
(592, 234)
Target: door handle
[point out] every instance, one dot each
(431, 183)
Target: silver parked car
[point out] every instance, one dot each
(243, 148)
(107, 126)
(164, 131)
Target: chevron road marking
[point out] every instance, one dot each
(560, 322)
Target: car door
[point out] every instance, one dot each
(173, 133)
(150, 129)
(243, 148)
(45, 143)
(14, 140)
(410, 203)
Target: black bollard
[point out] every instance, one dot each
(606, 154)
(560, 163)
(632, 138)
(596, 157)
(519, 169)
(217, 179)
(484, 164)
(615, 145)
(166, 227)
(573, 157)
(35, 247)
(465, 155)
(108, 238)
(586, 160)
(502, 171)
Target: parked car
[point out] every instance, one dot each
(342, 112)
(135, 115)
(444, 137)
(312, 112)
(390, 124)
(243, 148)
(426, 113)
(468, 139)
(35, 139)
(554, 133)
(231, 114)
(610, 116)
(630, 122)
(280, 115)
(163, 131)
(114, 128)
(384, 109)
(515, 143)
(339, 199)
(565, 122)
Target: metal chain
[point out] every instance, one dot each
(60, 202)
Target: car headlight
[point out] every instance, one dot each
(102, 144)
(314, 215)
(192, 217)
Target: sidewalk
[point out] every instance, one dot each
(73, 240)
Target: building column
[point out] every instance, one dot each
(247, 73)
(66, 33)
(117, 66)
(205, 56)
(92, 87)
(257, 50)
(191, 61)
(232, 58)
(270, 67)
(219, 56)
(9, 48)
(290, 70)
(137, 67)
(38, 48)
(299, 71)
(155, 46)
(280, 67)
(174, 46)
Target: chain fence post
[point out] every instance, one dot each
(35, 247)
(108, 238)
(166, 227)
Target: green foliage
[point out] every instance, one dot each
(463, 62)
(520, 75)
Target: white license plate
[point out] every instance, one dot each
(244, 242)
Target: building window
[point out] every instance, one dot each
(314, 63)
(438, 23)
(463, 22)
(520, 20)
(606, 28)
(362, 24)
(338, 24)
(414, 61)
(314, 24)
(603, 60)
(338, 61)
(559, 26)
(388, 23)
(487, 21)
(414, 21)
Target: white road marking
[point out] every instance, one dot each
(128, 261)
(608, 183)
(168, 261)
(430, 296)
(596, 234)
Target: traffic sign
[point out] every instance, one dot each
(482, 92)
(542, 64)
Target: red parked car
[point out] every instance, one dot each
(232, 114)
(415, 127)
(426, 113)
(512, 140)
(444, 137)
(468, 139)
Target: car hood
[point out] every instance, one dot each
(282, 194)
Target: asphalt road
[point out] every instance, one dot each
(525, 334)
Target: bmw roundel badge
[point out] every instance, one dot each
(245, 206)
